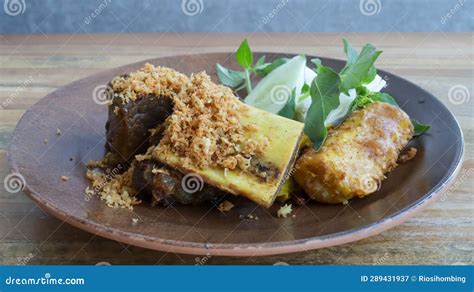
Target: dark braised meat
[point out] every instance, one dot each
(162, 185)
(128, 124)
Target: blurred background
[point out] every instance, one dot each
(72, 16)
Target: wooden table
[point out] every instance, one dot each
(32, 66)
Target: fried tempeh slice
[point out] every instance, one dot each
(356, 155)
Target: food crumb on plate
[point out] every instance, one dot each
(64, 178)
(114, 189)
(284, 211)
(409, 155)
(249, 216)
(58, 132)
(252, 217)
(45, 141)
(225, 206)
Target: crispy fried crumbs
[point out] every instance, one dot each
(284, 211)
(205, 128)
(411, 153)
(113, 188)
(134, 221)
(159, 81)
(64, 178)
(225, 206)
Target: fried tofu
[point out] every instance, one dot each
(356, 155)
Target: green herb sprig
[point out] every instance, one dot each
(238, 80)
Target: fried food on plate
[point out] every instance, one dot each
(140, 101)
(232, 146)
(356, 155)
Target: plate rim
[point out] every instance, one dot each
(247, 249)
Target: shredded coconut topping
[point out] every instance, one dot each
(205, 128)
(159, 81)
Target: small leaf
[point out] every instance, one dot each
(289, 110)
(305, 88)
(264, 69)
(354, 74)
(244, 55)
(260, 61)
(316, 61)
(384, 97)
(325, 97)
(420, 129)
(351, 53)
(230, 77)
(370, 75)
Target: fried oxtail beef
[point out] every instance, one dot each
(163, 185)
(140, 103)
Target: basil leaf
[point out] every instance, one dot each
(325, 97)
(316, 61)
(354, 74)
(244, 55)
(230, 77)
(260, 61)
(420, 128)
(305, 88)
(370, 75)
(289, 110)
(264, 69)
(384, 97)
(351, 53)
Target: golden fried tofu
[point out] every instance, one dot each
(356, 155)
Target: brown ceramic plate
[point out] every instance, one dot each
(203, 229)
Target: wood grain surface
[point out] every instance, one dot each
(32, 66)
